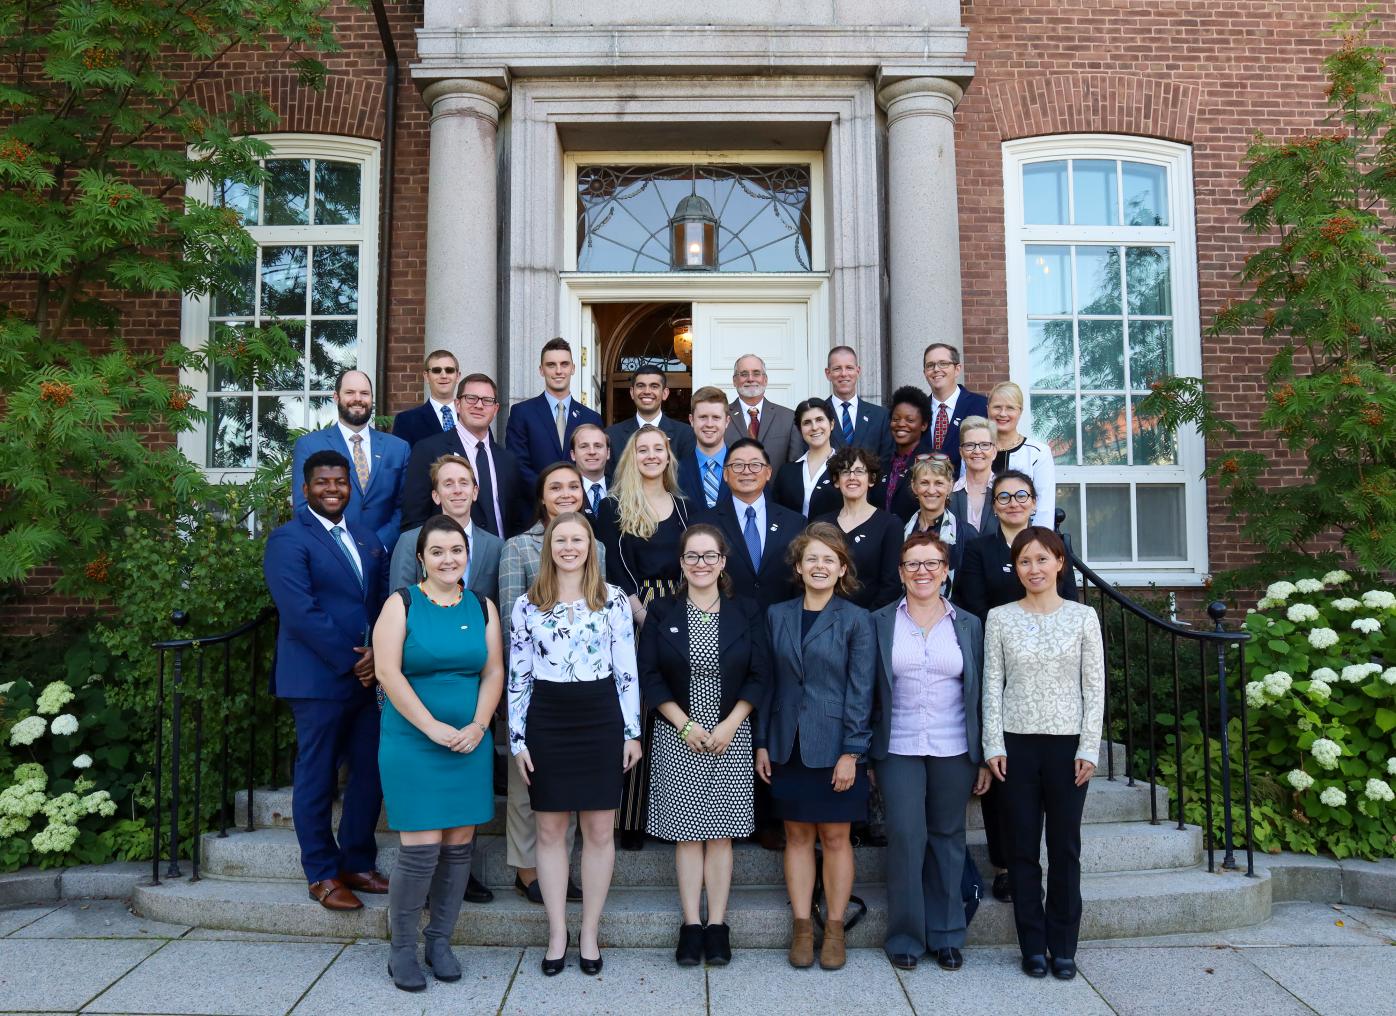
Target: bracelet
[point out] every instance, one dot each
(683, 734)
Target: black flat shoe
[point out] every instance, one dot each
(717, 945)
(1063, 970)
(689, 952)
(477, 892)
(1001, 891)
(1035, 966)
(903, 961)
(532, 892)
(590, 967)
(949, 958)
(574, 892)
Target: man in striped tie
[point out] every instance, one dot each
(700, 474)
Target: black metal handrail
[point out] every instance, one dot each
(1219, 643)
(251, 635)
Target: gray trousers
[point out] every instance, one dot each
(925, 798)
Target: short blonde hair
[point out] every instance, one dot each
(937, 467)
(450, 460)
(1008, 388)
(975, 423)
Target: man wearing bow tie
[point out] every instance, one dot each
(540, 429)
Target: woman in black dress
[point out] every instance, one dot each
(908, 417)
(806, 485)
(874, 536)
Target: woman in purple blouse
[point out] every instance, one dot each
(927, 754)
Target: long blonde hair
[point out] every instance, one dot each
(543, 593)
(628, 488)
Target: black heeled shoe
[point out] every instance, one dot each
(551, 968)
(590, 967)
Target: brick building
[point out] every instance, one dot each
(1053, 187)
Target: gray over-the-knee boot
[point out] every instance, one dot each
(447, 891)
(407, 894)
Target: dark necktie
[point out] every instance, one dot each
(595, 498)
(942, 425)
(752, 539)
(847, 426)
(448, 419)
(489, 520)
(753, 428)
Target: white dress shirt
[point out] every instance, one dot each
(810, 481)
(364, 432)
(759, 504)
(949, 405)
(347, 542)
(468, 442)
(837, 403)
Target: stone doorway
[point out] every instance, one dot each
(631, 335)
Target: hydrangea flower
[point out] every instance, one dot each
(6, 687)
(55, 838)
(1276, 684)
(65, 724)
(1388, 675)
(1303, 723)
(1378, 599)
(1356, 673)
(53, 698)
(1378, 790)
(1255, 694)
(1309, 586)
(1336, 577)
(1299, 780)
(1326, 674)
(1280, 591)
(1302, 612)
(98, 802)
(1326, 752)
(1391, 765)
(1333, 797)
(1346, 603)
(1265, 603)
(27, 730)
(1370, 625)
(83, 761)
(1319, 691)
(1323, 638)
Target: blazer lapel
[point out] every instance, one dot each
(886, 628)
(377, 460)
(675, 628)
(824, 621)
(729, 626)
(772, 528)
(320, 533)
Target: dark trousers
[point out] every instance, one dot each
(926, 798)
(991, 807)
(328, 731)
(1041, 782)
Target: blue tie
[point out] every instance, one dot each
(752, 538)
(448, 418)
(710, 482)
(338, 535)
(595, 498)
(847, 426)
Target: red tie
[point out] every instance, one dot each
(942, 425)
(755, 424)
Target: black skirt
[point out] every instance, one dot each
(802, 794)
(575, 736)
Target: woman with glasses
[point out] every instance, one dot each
(909, 416)
(1015, 451)
(970, 500)
(926, 752)
(932, 480)
(805, 485)
(703, 661)
(874, 536)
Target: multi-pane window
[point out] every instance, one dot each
(1102, 301)
(316, 231)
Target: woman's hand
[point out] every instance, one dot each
(525, 763)
(845, 771)
(998, 765)
(721, 737)
(444, 734)
(1084, 771)
(637, 611)
(472, 735)
(981, 781)
(697, 738)
(630, 755)
(763, 765)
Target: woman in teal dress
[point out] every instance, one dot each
(438, 653)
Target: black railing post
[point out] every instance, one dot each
(1216, 610)
(197, 831)
(159, 765)
(1246, 759)
(1178, 793)
(179, 619)
(1208, 829)
(1129, 696)
(224, 761)
(256, 672)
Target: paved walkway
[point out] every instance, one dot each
(96, 957)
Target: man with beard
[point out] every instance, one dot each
(378, 460)
(752, 415)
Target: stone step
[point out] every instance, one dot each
(1127, 846)
(1115, 906)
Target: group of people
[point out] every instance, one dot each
(743, 625)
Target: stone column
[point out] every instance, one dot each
(923, 221)
(462, 222)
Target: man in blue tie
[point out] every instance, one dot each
(700, 474)
(758, 530)
(440, 372)
(857, 421)
(591, 451)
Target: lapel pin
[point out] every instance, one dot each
(673, 631)
(1007, 568)
(859, 538)
(774, 527)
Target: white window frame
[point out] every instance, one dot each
(1180, 237)
(195, 308)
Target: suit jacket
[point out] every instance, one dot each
(987, 522)
(515, 500)
(681, 439)
(870, 429)
(777, 434)
(986, 578)
(412, 425)
(666, 666)
(822, 687)
(788, 489)
(325, 611)
(774, 580)
(485, 548)
(532, 434)
(691, 483)
(969, 632)
(968, 404)
(380, 506)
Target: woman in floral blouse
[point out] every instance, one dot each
(574, 721)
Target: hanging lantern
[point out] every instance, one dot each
(693, 236)
(683, 340)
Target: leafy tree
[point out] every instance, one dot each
(101, 138)
(1322, 289)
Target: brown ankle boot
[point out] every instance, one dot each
(832, 954)
(802, 943)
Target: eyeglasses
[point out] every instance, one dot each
(707, 557)
(935, 564)
(750, 373)
(441, 370)
(978, 446)
(859, 471)
(941, 364)
(745, 467)
(1005, 496)
(479, 400)
(933, 457)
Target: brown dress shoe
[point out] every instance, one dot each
(374, 882)
(832, 955)
(802, 943)
(332, 895)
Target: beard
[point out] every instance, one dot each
(355, 416)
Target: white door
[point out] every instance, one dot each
(586, 382)
(776, 332)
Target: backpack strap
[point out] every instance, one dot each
(406, 596)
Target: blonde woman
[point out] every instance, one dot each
(574, 722)
(970, 499)
(931, 482)
(1017, 451)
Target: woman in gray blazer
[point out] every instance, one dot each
(926, 748)
(813, 732)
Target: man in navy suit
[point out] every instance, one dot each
(377, 460)
(648, 390)
(758, 530)
(438, 412)
(951, 402)
(327, 575)
(590, 449)
(700, 474)
(857, 422)
(540, 429)
(503, 505)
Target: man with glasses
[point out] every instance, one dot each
(752, 415)
(857, 422)
(951, 402)
(502, 504)
(648, 390)
(438, 412)
(758, 530)
(540, 429)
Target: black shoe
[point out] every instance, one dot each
(1063, 970)
(477, 892)
(1035, 965)
(632, 839)
(551, 968)
(590, 967)
(689, 952)
(949, 958)
(903, 961)
(574, 892)
(1002, 892)
(532, 892)
(717, 945)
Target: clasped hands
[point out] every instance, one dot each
(710, 742)
(464, 740)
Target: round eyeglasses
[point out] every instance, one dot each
(1003, 497)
